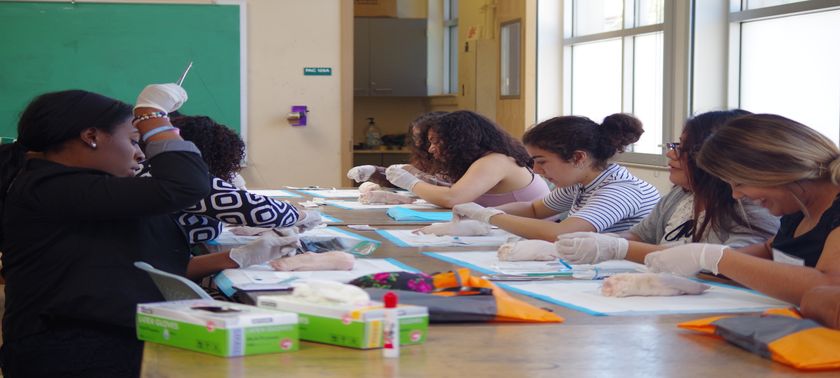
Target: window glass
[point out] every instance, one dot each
(789, 66)
(647, 90)
(596, 78)
(597, 16)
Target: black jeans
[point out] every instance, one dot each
(68, 351)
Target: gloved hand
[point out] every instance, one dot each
(400, 177)
(686, 259)
(256, 231)
(308, 220)
(361, 173)
(590, 247)
(166, 97)
(472, 210)
(269, 246)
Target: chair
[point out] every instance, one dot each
(173, 287)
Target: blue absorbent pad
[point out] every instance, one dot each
(400, 213)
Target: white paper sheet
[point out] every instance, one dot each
(273, 193)
(333, 193)
(262, 277)
(586, 296)
(406, 238)
(356, 205)
(488, 262)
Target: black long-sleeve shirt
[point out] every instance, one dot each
(71, 236)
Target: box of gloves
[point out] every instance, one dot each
(344, 315)
(219, 328)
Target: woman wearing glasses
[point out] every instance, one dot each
(573, 153)
(794, 172)
(699, 207)
(483, 162)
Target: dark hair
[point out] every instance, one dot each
(567, 134)
(52, 119)
(221, 148)
(420, 156)
(465, 137)
(711, 194)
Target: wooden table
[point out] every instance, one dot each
(583, 346)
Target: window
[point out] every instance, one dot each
(614, 61)
(784, 59)
(450, 45)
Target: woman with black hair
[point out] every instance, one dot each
(483, 162)
(699, 208)
(75, 218)
(419, 160)
(573, 153)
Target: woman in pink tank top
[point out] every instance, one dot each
(483, 163)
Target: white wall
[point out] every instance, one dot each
(283, 37)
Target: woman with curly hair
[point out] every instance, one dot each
(221, 148)
(573, 153)
(483, 162)
(229, 202)
(419, 161)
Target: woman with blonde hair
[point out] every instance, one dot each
(794, 172)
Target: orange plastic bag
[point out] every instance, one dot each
(779, 334)
(459, 297)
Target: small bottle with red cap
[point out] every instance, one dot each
(390, 327)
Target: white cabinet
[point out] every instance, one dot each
(389, 57)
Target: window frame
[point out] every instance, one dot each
(450, 52)
(676, 91)
(738, 15)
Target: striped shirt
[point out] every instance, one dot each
(613, 202)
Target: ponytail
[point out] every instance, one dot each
(567, 134)
(616, 132)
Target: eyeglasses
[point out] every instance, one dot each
(675, 146)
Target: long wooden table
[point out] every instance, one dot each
(583, 346)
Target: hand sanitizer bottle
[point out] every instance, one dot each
(373, 137)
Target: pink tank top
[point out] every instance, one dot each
(537, 189)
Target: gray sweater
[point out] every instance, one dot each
(659, 223)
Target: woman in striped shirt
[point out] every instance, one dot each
(573, 153)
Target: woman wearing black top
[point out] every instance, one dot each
(75, 219)
(794, 172)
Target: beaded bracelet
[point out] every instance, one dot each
(158, 130)
(147, 116)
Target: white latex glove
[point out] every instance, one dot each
(268, 247)
(330, 292)
(361, 173)
(400, 177)
(309, 219)
(166, 97)
(256, 231)
(590, 247)
(687, 259)
(472, 210)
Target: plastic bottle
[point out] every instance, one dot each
(373, 137)
(390, 327)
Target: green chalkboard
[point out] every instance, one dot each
(115, 50)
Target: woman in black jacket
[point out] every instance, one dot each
(75, 219)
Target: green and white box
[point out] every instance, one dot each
(219, 328)
(355, 327)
